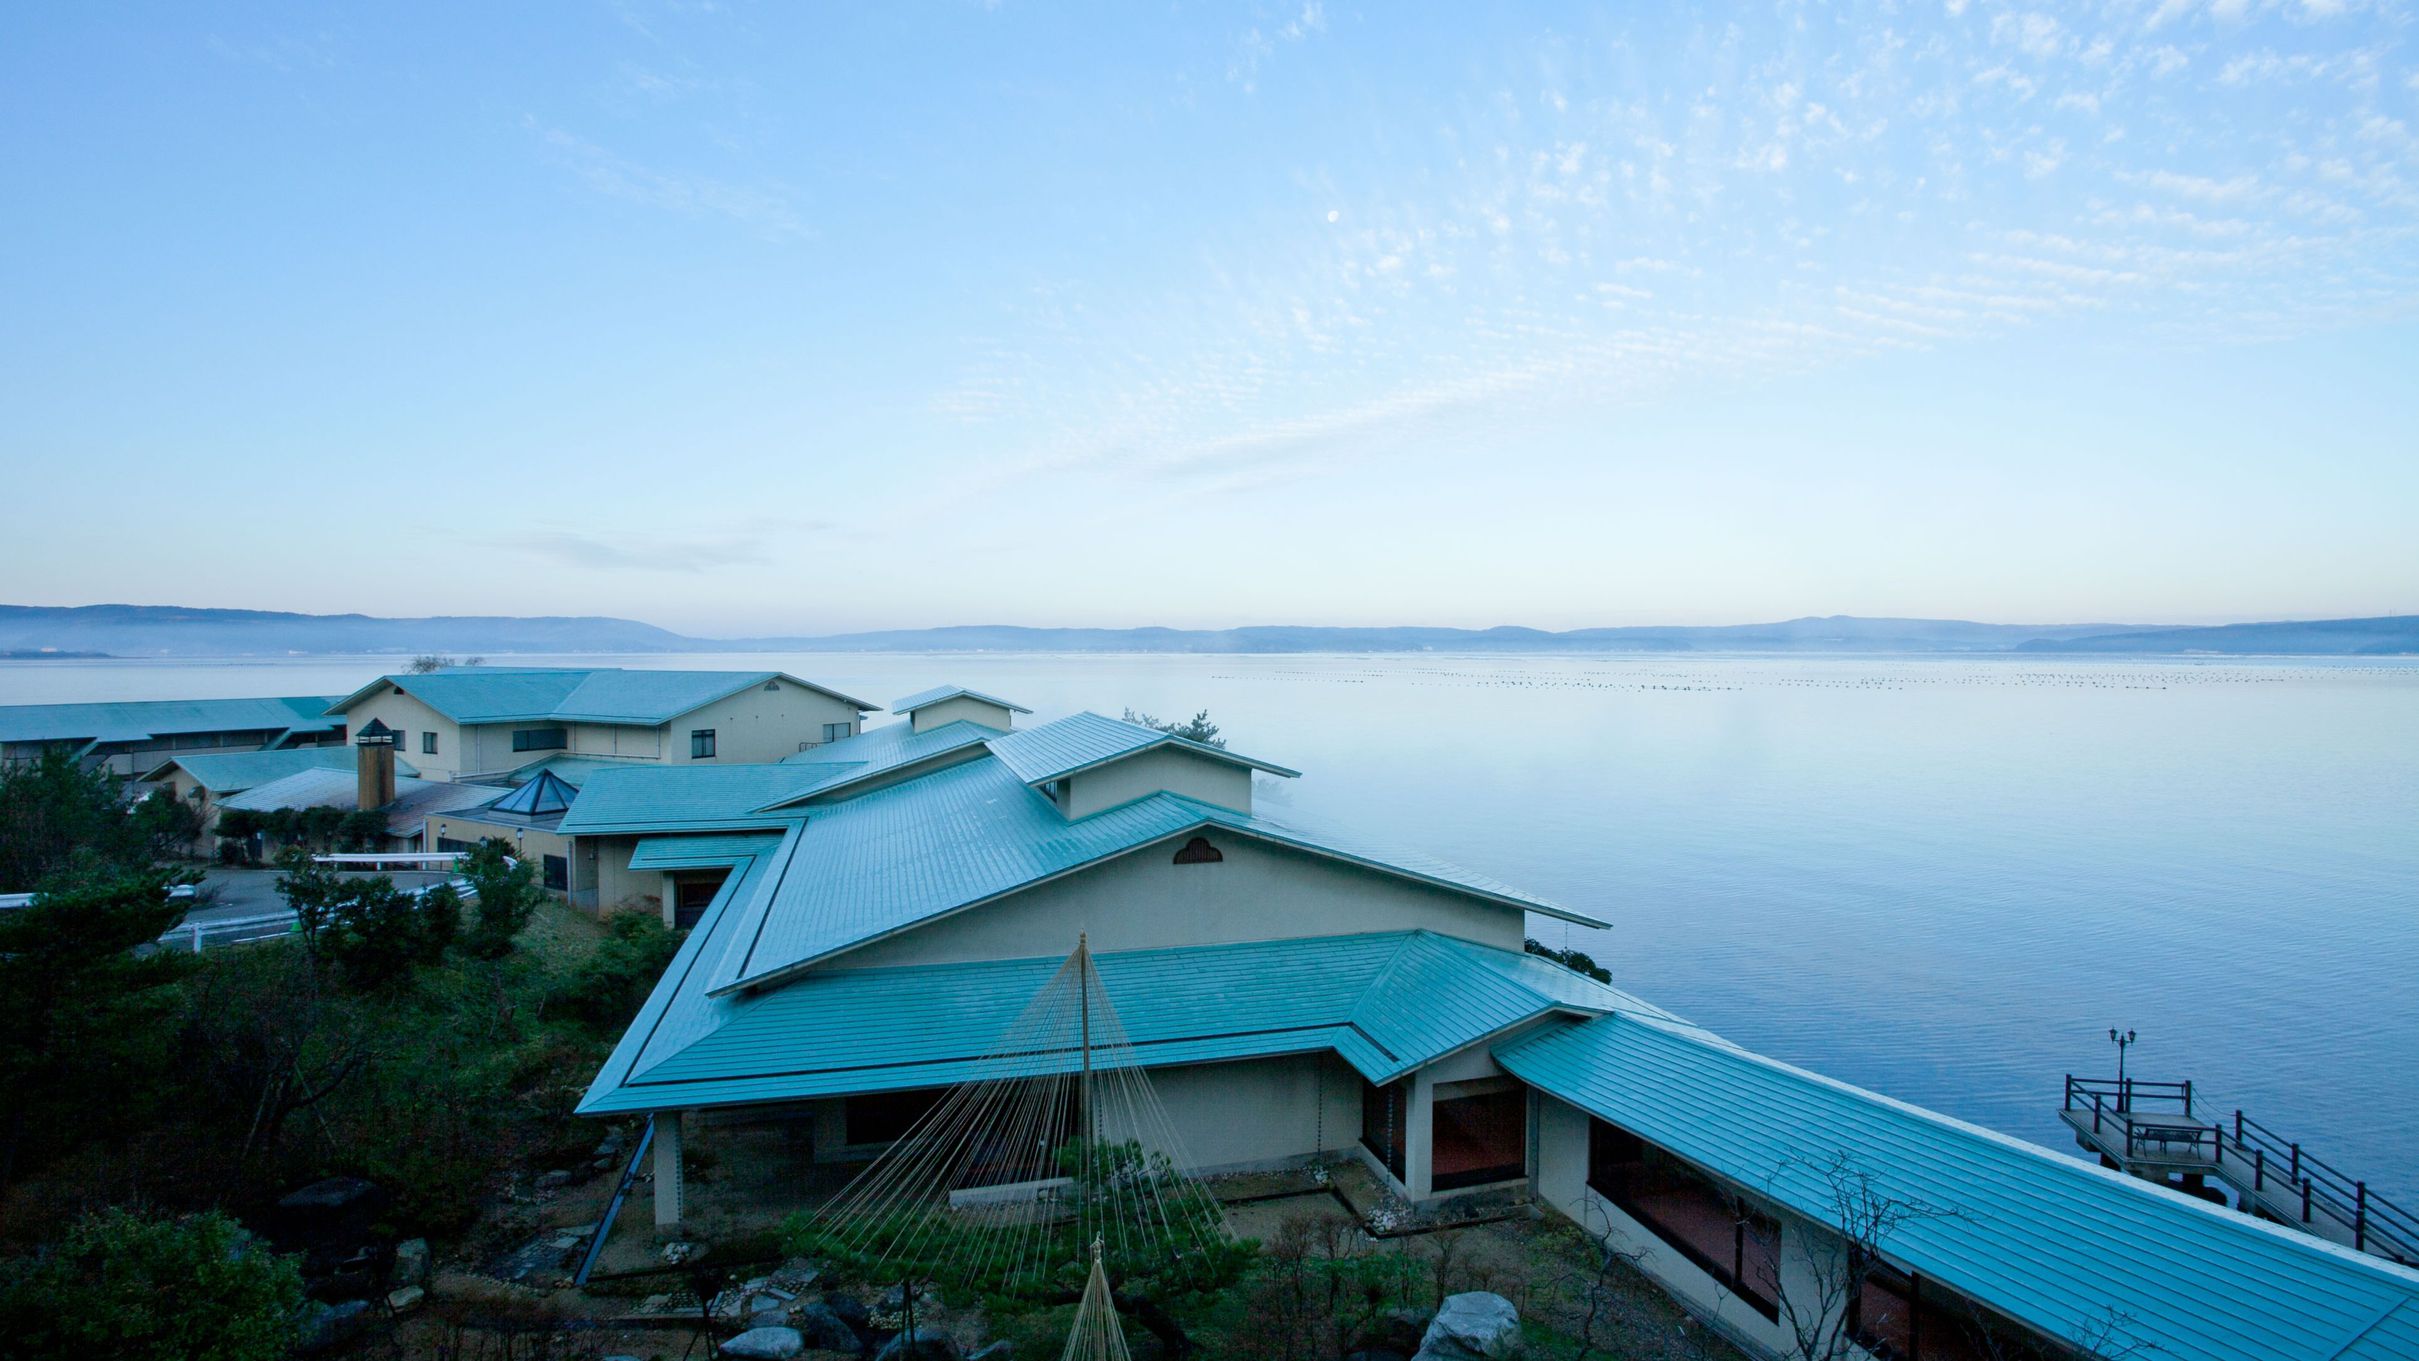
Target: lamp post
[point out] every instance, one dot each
(2123, 1042)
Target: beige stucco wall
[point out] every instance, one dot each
(618, 887)
(961, 708)
(1229, 1116)
(406, 713)
(759, 725)
(1149, 772)
(1145, 901)
(528, 843)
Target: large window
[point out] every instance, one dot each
(1900, 1316)
(691, 896)
(558, 873)
(701, 744)
(539, 739)
(1384, 1111)
(1479, 1137)
(833, 732)
(1729, 1239)
(428, 743)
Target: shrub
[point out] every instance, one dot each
(123, 1285)
(608, 987)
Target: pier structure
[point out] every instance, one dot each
(2154, 1130)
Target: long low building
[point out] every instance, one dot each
(867, 925)
(132, 737)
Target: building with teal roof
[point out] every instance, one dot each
(864, 928)
(476, 723)
(133, 737)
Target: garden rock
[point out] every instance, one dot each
(325, 1325)
(849, 1310)
(1477, 1326)
(825, 1330)
(405, 1300)
(411, 1262)
(923, 1344)
(765, 1344)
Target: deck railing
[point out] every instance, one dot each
(2277, 1173)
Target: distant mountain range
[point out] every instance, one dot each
(168, 631)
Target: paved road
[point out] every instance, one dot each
(233, 895)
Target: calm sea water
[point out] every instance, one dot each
(1940, 879)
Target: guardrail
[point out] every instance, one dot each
(2272, 1171)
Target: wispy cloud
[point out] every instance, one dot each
(768, 210)
(751, 542)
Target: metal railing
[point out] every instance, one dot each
(2268, 1168)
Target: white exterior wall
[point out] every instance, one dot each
(1145, 901)
(618, 887)
(1161, 768)
(406, 714)
(963, 707)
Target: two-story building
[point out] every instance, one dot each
(870, 926)
(469, 723)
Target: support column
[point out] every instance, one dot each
(668, 1190)
(1419, 1137)
(671, 900)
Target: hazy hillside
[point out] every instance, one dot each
(155, 630)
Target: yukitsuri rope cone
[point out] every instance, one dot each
(1096, 1336)
(1054, 1140)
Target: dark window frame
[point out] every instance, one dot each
(701, 744)
(1199, 851)
(1617, 1165)
(556, 872)
(428, 742)
(541, 739)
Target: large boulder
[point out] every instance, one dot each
(765, 1344)
(849, 1310)
(825, 1330)
(411, 1262)
(921, 1344)
(1477, 1326)
(322, 1326)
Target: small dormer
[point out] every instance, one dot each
(957, 704)
(1088, 764)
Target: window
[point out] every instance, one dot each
(691, 897)
(1727, 1238)
(1479, 1138)
(428, 744)
(456, 845)
(885, 1118)
(539, 739)
(833, 732)
(1384, 1112)
(1199, 851)
(701, 744)
(1900, 1316)
(558, 874)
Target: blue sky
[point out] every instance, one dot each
(752, 319)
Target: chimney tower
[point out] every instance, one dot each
(375, 764)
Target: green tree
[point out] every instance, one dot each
(197, 1289)
(167, 824)
(86, 1018)
(56, 812)
(375, 934)
(1198, 728)
(608, 987)
(508, 892)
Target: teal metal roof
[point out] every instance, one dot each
(137, 720)
(924, 698)
(415, 800)
(700, 850)
(510, 694)
(902, 856)
(1079, 742)
(668, 798)
(862, 1030)
(2052, 1241)
(885, 751)
(232, 772)
(571, 770)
